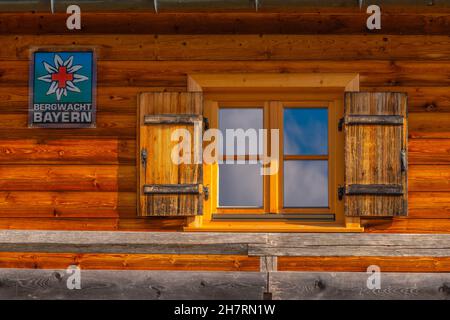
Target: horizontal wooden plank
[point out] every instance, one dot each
(103, 261)
(43, 260)
(92, 238)
(151, 224)
(360, 264)
(429, 205)
(127, 248)
(53, 149)
(67, 204)
(428, 151)
(424, 81)
(204, 285)
(355, 250)
(117, 100)
(407, 225)
(363, 239)
(261, 244)
(377, 189)
(67, 178)
(240, 47)
(57, 223)
(353, 285)
(318, 21)
(122, 125)
(428, 125)
(109, 284)
(93, 224)
(425, 178)
(122, 73)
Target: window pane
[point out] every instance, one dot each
(241, 118)
(240, 185)
(305, 131)
(306, 183)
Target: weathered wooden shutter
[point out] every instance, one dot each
(375, 126)
(167, 188)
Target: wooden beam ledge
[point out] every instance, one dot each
(251, 244)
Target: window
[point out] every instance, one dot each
(305, 184)
(240, 182)
(305, 155)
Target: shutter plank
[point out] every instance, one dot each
(382, 189)
(373, 119)
(172, 119)
(160, 114)
(172, 189)
(375, 135)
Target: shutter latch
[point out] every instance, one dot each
(341, 124)
(341, 192)
(404, 165)
(144, 156)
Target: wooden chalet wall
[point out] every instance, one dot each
(86, 178)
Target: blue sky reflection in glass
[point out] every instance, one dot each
(306, 183)
(305, 131)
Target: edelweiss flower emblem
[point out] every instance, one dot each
(62, 77)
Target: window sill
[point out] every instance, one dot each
(269, 226)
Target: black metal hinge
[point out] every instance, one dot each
(206, 192)
(341, 192)
(341, 124)
(205, 124)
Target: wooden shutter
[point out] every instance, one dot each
(375, 126)
(167, 188)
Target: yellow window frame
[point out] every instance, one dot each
(325, 88)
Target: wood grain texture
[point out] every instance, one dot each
(108, 124)
(428, 151)
(262, 244)
(157, 137)
(87, 237)
(56, 223)
(240, 47)
(372, 153)
(424, 81)
(407, 225)
(314, 22)
(67, 204)
(427, 204)
(348, 250)
(56, 150)
(415, 64)
(93, 261)
(429, 125)
(353, 285)
(102, 178)
(360, 264)
(129, 248)
(110, 99)
(133, 284)
(427, 178)
(94, 224)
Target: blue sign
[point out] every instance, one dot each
(62, 89)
